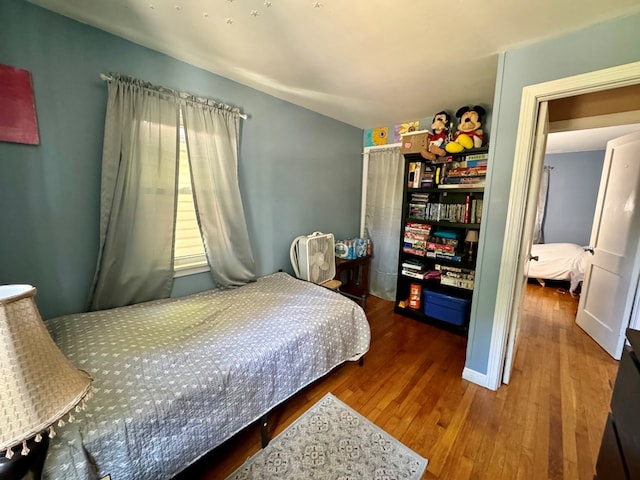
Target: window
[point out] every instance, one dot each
(188, 253)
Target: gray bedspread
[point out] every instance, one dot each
(175, 378)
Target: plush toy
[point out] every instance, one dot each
(438, 137)
(469, 134)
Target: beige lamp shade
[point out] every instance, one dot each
(472, 236)
(38, 384)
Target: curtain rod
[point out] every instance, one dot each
(109, 78)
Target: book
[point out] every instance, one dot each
(417, 210)
(478, 211)
(474, 206)
(445, 186)
(467, 172)
(416, 235)
(466, 180)
(417, 177)
(459, 271)
(412, 236)
(453, 242)
(420, 253)
(465, 283)
(467, 209)
(442, 256)
(420, 197)
(411, 264)
(413, 274)
(476, 163)
(415, 246)
(412, 242)
(441, 248)
(417, 227)
(477, 156)
(456, 276)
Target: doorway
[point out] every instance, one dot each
(575, 178)
(526, 168)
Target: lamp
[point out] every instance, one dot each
(471, 238)
(38, 385)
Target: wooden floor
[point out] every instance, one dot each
(546, 424)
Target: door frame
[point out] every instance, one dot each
(524, 169)
(524, 254)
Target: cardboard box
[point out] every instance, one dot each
(413, 142)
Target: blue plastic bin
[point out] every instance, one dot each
(447, 308)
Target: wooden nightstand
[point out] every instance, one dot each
(354, 275)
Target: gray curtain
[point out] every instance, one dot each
(538, 230)
(383, 212)
(138, 199)
(212, 137)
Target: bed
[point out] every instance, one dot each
(559, 261)
(175, 378)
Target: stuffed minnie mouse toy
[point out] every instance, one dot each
(438, 137)
(469, 134)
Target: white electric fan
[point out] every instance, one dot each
(313, 257)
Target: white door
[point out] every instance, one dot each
(610, 281)
(524, 255)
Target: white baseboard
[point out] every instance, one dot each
(476, 377)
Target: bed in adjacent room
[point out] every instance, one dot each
(559, 261)
(175, 378)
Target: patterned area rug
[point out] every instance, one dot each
(333, 442)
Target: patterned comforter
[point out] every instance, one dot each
(174, 378)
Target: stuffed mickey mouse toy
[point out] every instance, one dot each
(438, 137)
(469, 134)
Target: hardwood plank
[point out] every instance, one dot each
(547, 423)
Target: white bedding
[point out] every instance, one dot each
(175, 378)
(559, 261)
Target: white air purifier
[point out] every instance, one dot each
(313, 257)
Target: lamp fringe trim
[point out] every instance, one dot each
(37, 435)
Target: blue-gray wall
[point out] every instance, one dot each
(601, 46)
(573, 192)
(299, 171)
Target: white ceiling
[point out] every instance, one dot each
(586, 140)
(367, 63)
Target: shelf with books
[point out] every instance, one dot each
(476, 157)
(445, 224)
(440, 222)
(429, 269)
